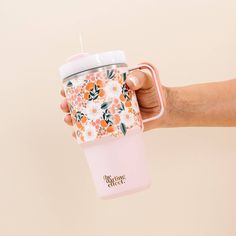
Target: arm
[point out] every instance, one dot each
(209, 104)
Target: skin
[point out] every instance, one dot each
(208, 104)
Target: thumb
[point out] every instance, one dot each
(139, 80)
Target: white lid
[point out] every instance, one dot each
(84, 61)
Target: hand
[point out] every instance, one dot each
(146, 93)
(145, 89)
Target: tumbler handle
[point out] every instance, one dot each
(155, 77)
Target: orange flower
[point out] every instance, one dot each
(82, 138)
(122, 98)
(101, 93)
(83, 120)
(128, 104)
(90, 86)
(99, 83)
(110, 129)
(117, 119)
(130, 109)
(86, 96)
(120, 81)
(79, 125)
(103, 123)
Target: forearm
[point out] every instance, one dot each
(210, 104)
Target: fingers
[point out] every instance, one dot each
(63, 93)
(68, 120)
(64, 106)
(139, 80)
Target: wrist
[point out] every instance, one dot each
(183, 107)
(177, 112)
(172, 105)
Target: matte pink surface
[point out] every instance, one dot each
(118, 157)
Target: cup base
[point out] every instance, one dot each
(118, 165)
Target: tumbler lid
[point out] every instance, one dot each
(83, 61)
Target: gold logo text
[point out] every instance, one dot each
(114, 181)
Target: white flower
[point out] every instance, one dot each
(113, 89)
(127, 118)
(89, 133)
(93, 110)
(78, 81)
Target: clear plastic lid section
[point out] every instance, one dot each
(84, 61)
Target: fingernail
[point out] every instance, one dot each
(134, 80)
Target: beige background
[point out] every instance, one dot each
(45, 185)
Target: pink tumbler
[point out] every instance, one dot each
(107, 120)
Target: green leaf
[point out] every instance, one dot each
(93, 93)
(124, 76)
(107, 117)
(110, 74)
(79, 115)
(105, 105)
(121, 108)
(123, 128)
(96, 88)
(125, 91)
(109, 122)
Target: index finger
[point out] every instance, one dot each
(139, 80)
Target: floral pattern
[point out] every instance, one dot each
(101, 104)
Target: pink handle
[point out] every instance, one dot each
(157, 83)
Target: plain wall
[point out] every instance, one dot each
(45, 185)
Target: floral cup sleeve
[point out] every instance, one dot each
(101, 104)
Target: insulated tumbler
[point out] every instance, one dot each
(107, 120)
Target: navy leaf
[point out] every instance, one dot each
(107, 117)
(124, 76)
(79, 115)
(123, 128)
(122, 106)
(94, 93)
(69, 84)
(105, 105)
(110, 74)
